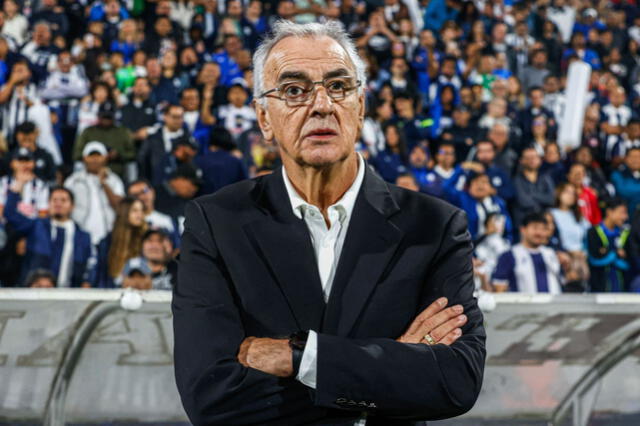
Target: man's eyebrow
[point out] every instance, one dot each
(340, 72)
(293, 75)
(301, 75)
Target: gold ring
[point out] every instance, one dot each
(429, 339)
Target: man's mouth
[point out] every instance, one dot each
(321, 134)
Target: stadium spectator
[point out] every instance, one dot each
(159, 141)
(156, 269)
(122, 244)
(143, 191)
(115, 138)
(220, 167)
(34, 192)
(44, 166)
(607, 249)
(478, 199)
(54, 243)
(97, 192)
(552, 163)
(407, 181)
(139, 114)
(40, 51)
(506, 158)
(40, 278)
(392, 161)
(529, 267)
(534, 192)
(490, 246)
(463, 132)
(198, 117)
(15, 26)
(17, 95)
(626, 179)
(183, 184)
(184, 151)
(485, 154)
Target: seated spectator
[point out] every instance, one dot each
(587, 197)
(184, 151)
(97, 192)
(416, 127)
(173, 194)
(552, 163)
(485, 154)
(607, 249)
(117, 139)
(463, 133)
(615, 117)
(26, 136)
(478, 200)
(67, 82)
(506, 158)
(219, 167)
(159, 141)
(139, 115)
(572, 226)
(56, 243)
(434, 179)
(627, 179)
(40, 278)
(99, 94)
(491, 244)
(16, 95)
(391, 162)
(534, 192)
(122, 244)
(34, 192)
(236, 116)
(419, 168)
(197, 115)
(143, 191)
(595, 177)
(529, 267)
(378, 111)
(40, 51)
(157, 270)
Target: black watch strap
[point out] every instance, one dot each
(297, 342)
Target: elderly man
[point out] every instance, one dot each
(325, 252)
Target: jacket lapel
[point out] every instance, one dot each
(369, 247)
(284, 243)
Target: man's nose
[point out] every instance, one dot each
(321, 103)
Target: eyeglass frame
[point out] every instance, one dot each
(312, 91)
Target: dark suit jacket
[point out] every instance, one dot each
(248, 268)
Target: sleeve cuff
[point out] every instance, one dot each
(309, 364)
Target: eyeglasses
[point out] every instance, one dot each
(300, 92)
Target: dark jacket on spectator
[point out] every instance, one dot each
(40, 247)
(532, 196)
(219, 168)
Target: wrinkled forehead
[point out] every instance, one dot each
(312, 57)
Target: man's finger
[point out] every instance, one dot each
(439, 333)
(450, 338)
(437, 320)
(430, 311)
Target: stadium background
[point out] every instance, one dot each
(136, 107)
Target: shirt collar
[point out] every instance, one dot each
(347, 202)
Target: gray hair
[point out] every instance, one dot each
(283, 29)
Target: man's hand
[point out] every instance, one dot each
(443, 325)
(271, 356)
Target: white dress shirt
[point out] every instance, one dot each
(327, 244)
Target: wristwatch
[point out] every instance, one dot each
(297, 342)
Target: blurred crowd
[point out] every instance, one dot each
(115, 113)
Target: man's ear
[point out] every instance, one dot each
(263, 121)
(362, 106)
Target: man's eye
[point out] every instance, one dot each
(337, 85)
(294, 90)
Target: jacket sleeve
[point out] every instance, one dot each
(413, 381)
(214, 387)
(21, 223)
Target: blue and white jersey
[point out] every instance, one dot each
(529, 271)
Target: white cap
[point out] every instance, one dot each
(94, 146)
